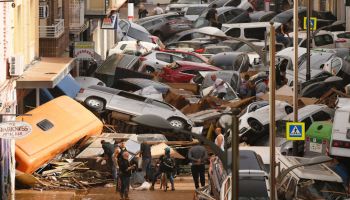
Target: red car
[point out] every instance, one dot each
(188, 56)
(184, 71)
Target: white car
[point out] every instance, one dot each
(256, 115)
(192, 12)
(323, 39)
(129, 47)
(156, 60)
(342, 39)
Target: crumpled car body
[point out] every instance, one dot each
(100, 98)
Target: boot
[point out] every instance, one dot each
(126, 196)
(172, 187)
(122, 196)
(151, 188)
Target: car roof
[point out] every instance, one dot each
(226, 8)
(153, 17)
(143, 81)
(247, 183)
(315, 172)
(180, 62)
(248, 160)
(306, 111)
(251, 25)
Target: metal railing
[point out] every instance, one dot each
(53, 31)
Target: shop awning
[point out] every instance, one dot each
(46, 73)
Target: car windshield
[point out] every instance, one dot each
(344, 35)
(317, 60)
(123, 26)
(189, 2)
(200, 22)
(114, 61)
(216, 50)
(255, 106)
(139, 35)
(320, 190)
(195, 10)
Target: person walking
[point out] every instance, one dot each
(108, 151)
(142, 11)
(167, 166)
(219, 140)
(218, 85)
(125, 173)
(158, 10)
(198, 156)
(212, 17)
(146, 160)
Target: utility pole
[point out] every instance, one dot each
(347, 14)
(296, 71)
(272, 102)
(235, 155)
(308, 40)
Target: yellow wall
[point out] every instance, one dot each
(26, 30)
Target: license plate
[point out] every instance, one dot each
(315, 147)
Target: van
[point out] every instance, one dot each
(307, 181)
(254, 30)
(340, 141)
(56, 126)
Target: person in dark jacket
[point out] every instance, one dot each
(198, 156)
(167, 166)
(146, 159)
(124, 173)
(108, 151)
(142, 11)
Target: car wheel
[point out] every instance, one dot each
(289, 109)
(94, 104)
(177, 123)
(149, 70)
(255, 125)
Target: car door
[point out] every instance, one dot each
(128, 103)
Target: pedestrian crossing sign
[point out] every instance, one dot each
(295, 131)
(313, 23)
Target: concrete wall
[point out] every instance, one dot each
(104, 40)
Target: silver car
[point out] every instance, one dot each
(98, 98)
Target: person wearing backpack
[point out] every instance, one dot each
(167, 166)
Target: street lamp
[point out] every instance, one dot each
(158, 122)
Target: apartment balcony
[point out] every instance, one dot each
(54, 31)
(95, 8)
(77, 16)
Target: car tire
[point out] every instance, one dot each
(255, 125)
(288, 109)
(149, 70)
(177, 123)
(94, 104)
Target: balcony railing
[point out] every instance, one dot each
(77, 13)
(54, 31)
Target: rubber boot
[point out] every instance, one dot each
(122, 196)
(172, 187)
(126, 196)
(151, 188)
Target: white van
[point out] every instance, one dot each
(255, 30)
(307, 182)
(340, 140)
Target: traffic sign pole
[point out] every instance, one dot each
(308, 40)
(296, 71)
(272, 102)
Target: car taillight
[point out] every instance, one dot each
(340, 144)
(201, 50)
(143, 59)
(340, 41)
(81, 90)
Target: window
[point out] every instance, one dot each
(138, 35)
(321, 40)
(291, 189)
(123, 26)
(195, 10)
(256, 33)
(194, 72)
(344, 35)
(234, 32)
(192, 58)
(175, 58)
(45, 125)
(163, 57)
(123, 46)
(229, 15)
(307, 122)
(321, 116)
(233, 3)
(147, 25)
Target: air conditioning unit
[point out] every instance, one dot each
(43, 10)
(16, 65)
